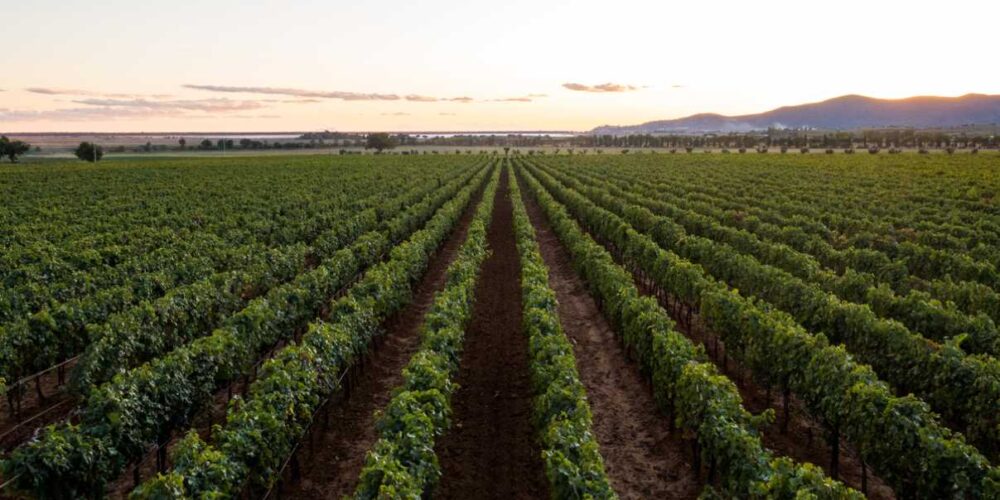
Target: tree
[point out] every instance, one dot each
(183, 142)
(89, 152)
(12, 149)
(380, 142)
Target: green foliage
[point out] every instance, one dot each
(138, 407)
(260, 432)
(900, 437)
(402, 463)
(12, 149)
(964, 389)
(916, 309)
(380, 142)
(688, 388)
(90, 152)
(573, 462)
(128, 294)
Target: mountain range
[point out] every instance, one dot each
(841, 113)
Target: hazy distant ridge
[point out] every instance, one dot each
(846, 112)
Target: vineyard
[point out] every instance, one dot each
(500, 325)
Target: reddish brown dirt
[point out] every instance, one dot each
(642, 458)
(490, 450)
(35, 412)
(335, 454)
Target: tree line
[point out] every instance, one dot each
(865, 139)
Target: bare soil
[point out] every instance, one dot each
(491, 450)
(332, 461)
(55, 405)
(642, 458)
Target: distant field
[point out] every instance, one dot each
(636, 325)
(62, 152)
(66, 142)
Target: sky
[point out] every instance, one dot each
(446, 65)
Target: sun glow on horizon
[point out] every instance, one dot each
(121, 66)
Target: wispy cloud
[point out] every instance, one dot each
(56, 91)
(105, 109)
(204, 105)
(421, 98)
(113, 114)
(344, 96)
(424, 98)
(525, 98)
(601, 88)
(87, 105)
(240, 117)
(291, 101)
(88, 114)
(330, 94)
(90, 93)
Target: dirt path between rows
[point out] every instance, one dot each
(36, 412)
(642, 458)
(340, 445)
(491, 450)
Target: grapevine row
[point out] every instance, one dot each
(402, 462)
(573, 462)
(65, 329)
(875, 204)
(696, 397)
(972, 297)
(260, 433)
(866, 249)
(964, 388)
(144, 259)
(917, 310)
(123, 417)
(899, 436)
(198, 309)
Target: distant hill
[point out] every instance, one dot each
(840, 113)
